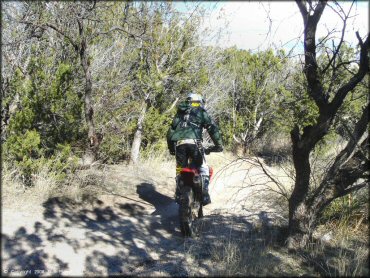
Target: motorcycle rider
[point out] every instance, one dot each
(184, 138)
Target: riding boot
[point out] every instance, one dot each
(206, 197)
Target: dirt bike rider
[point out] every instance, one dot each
(184, 138)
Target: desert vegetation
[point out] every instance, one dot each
(88, 90)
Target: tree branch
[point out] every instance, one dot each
(120, 29)
(74, 44)
(302, 7)
(281, 187)
(346, 154)
(315, 88)
(93, 6)
(172, 106)
(341, 181)
(318, 11)
(51, 26)
(354, 188)
(324, 202)
(335, 54)
(358, 132)
(353, 170)
(362, 71)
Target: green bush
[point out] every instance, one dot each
(113, 149)
(48, 120)
(25, 153)
(348, 208)
(157, 149)
(155, 126)
(19, 146)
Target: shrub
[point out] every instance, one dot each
(158, 149)
(113, 149)
(349, 208)
(25, 154)
(155, 127)
(48, 119)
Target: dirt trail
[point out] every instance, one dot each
(135, 234)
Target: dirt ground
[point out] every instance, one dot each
(136, 231)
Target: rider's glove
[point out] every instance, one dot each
(171, 148)
(218, 148)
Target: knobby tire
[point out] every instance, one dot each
(185, 212)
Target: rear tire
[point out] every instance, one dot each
(185, 212)
(200, 211)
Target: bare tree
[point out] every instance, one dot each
(350, 170)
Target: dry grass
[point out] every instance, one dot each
(231, 249)
(338, 259)
(229, 246)
(85, 185)
(341, 248)
(78, 187)
(18, 196)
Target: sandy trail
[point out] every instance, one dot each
(116, 235)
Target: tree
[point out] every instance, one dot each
(350, 169)
(16, 45)
(48, 119)
(160, 71)
(253, 97)
(78, 25)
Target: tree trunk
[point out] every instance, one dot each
(94, 142)
(299, 228)
(300, 214)
(234, 108)
(135, 148)
(257, 126)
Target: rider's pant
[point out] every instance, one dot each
(186, 154)
(190, 155)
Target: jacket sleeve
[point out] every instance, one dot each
(171, 131)
(212, 129)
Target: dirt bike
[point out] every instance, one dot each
(191, 195)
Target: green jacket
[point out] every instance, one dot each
(192, 128)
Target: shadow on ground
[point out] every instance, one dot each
(137, 237)
(126, 238)
(165, 208)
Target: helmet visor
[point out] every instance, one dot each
(195, 103)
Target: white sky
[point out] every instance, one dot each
(245, 24)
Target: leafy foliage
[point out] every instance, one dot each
(144, 57)
(254, 97)
(48, 116)
(155, 125)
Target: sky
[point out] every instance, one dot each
(246, 24)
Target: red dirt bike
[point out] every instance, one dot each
(191, 195)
